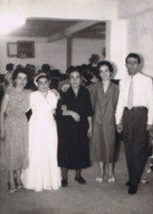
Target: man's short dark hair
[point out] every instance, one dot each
(133, 55)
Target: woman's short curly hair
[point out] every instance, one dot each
(17, 71)
(108, 64)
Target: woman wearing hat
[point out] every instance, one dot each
(43, 172)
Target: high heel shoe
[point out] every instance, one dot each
(99, 179)
(80, 180)
(18, 185)
(111, 180)
(11, 190)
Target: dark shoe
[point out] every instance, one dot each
(133, 189)
(80, 180)
(64, 183)
(128, 183)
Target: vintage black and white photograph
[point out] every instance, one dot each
(76, 107)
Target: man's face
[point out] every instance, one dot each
(132, 65)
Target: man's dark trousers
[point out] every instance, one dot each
(136, 141)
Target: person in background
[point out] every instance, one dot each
(104, 96)
(45, 68)
(8, 82)
(31, 74)
(14, 128)
(19, 66)
(43, 172)
(149, 166)
(54, 76)
(134, 116)
(65, 81)
(74, 128)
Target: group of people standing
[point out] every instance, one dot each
(71, 128)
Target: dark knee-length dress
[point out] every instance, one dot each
(104, 106)
(73, 146)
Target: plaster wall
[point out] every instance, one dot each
(140, 39)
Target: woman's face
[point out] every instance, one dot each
(75, 79)
(104, 72)
(43, 84)
(21, 80)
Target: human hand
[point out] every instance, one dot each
(65, 87)
(64, 107)
(89, 133)
(56, 93)
(75, 116)
(119, 128)
(149, 128)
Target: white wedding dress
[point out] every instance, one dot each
(43, 171)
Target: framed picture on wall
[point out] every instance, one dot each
(11, 49)
(25, 49)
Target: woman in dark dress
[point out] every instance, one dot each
(74, 129)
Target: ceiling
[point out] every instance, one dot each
(55, 29)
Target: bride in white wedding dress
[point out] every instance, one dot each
(43, 171)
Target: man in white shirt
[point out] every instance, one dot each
(134, 116)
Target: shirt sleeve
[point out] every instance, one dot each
(149, 95)
(93, 93)
(120, 103)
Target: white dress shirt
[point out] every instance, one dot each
(142, 95)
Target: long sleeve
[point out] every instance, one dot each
(93, 93)
(120, 103)
(149, 95)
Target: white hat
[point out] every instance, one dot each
(36, 78)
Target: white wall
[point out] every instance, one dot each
(83, 48)
(140, 39)
(40, 52)
(53, 53)
(127, 9)
(66, 9)
(139, 16)
(116, 46)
